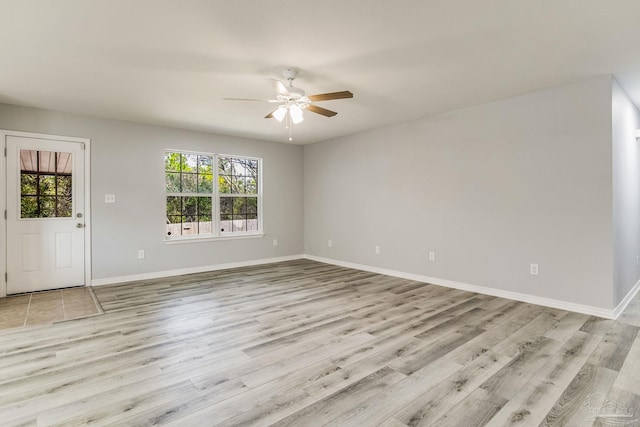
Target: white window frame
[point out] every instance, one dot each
(216, 234)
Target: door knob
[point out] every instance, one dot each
(78, 225)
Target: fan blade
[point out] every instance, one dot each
(250, 99)
(320, 110)
(333, 95)
(281, 89)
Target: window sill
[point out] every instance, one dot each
(180, 240)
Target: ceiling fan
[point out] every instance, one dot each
(293, 100)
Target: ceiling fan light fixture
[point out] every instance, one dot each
(293, 100)
(296, 114)
(280, 113)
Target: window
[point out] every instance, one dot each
(211, 195)
(45, 184)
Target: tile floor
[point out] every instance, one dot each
(47, 307)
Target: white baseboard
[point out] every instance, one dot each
(532, 299)
(626, 300)
(181, 271)
(517, 296)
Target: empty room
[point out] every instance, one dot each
(296, 213)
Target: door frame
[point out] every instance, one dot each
(4, 134)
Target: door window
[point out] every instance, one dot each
(45, 184)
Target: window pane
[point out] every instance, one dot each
(251, 185)
(239, 223)
(174, 219)
(174, 225)
(189, 163)
(253, 168)
(204, 206)
(226, 205)
(46, 163)
(239, 206)
(239, 167)
(64, 207)
(64, 185)
(237, 184)
(28, 184)
(172, 162)
(173, 182)
(189, 183)
(224, 166)
(48, 185)
(225, 223)
(205, 165)
(204, 224)
(65, 161)
(189, 225)
(174, 205)
(189, 206)
(205, 183)
(224, 184)
(252, 206)
(29, 207)
(47, 207)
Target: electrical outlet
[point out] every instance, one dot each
(533, 269)
(378, 250)
(275, 242)
(432, 256)
(109, 198)
(141, 254)
(329, 243)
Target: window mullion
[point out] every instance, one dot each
(215, 206)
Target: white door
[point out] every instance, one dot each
(45, 214)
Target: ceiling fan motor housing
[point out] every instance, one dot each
(290, 74)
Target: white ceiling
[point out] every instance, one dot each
(170, 62)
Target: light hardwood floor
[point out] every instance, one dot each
(307, 344)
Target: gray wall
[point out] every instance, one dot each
(128, 159)
(490, 189)
(626, 192)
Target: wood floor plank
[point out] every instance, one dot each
(441, 398)
(349, 373)
(620, 408)
(629, 377)
(427, 354)
(341, 401)
(614, 347)
(567, 326)
(323, 350)
(521, 368)
(106, 407)
(529, 402)
(572, 408)
(528, 406)
(385, 403)
(183, 406)
(477, 409)
(262, 405)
